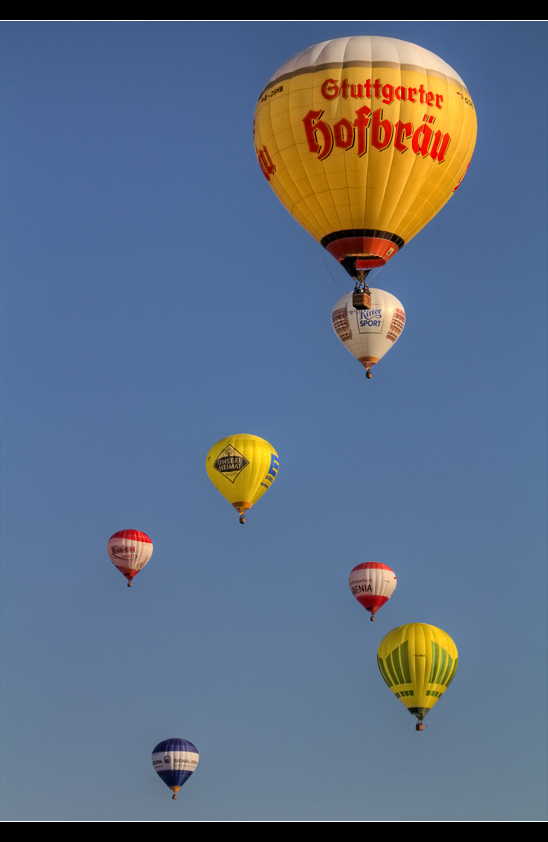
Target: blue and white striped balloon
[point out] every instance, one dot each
(175, 760)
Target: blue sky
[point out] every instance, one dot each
(157, 297)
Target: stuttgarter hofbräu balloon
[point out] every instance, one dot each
(175, 760)
(129, 550)
(368, 334)
(363, 140)
(418, 662)
(372, 583)
(242, 467)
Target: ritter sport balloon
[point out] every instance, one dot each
(368, 334)
(175, 760)
(372, 584)
(363, 140)
(242, 467)
(418, 662)
(129, 550)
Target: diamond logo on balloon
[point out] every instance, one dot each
(230, 463)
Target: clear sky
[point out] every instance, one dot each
(157, 297)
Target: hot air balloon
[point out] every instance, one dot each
(242, 467)
(372, 584)
(363, 140)
(129, 550)
(175, 760)
(368, 334)
(418, 662)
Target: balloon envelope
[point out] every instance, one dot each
(175, 760)
(129, 550)
(368, 334)
(364, 139)
(242, 467)
(418, 662)
(372, 583)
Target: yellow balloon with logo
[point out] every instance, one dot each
(242, 467)
(364, 139)
(418, 662)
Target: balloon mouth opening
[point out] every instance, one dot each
(367, 362)
(361, 250)
(368, 261)
(128, 573)
(241, 508)
(364, 263)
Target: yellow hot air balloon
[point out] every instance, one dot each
(363, 140)
(242, 467)
(418, 662)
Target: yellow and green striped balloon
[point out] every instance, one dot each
(418, 662)
(242, 467)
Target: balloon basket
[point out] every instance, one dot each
(361, 300)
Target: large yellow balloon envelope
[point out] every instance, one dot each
(363, 140)
(418, 662)
(242, 468)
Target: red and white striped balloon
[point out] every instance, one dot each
(372, 583)
(129, 550)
